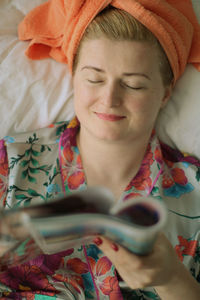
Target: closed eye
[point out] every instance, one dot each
(132, 87)
(94, 81)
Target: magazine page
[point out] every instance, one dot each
(20, 240)
(75, 219)
(133, 224)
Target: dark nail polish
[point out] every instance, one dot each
(98, 241)
(114, 247)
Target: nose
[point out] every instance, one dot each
(112, 96)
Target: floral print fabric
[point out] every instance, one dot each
(39, 166)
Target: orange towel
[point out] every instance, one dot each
(55, 28)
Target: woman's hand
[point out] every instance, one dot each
(154, 269)
(160, 269)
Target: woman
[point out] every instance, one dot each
(122, 78)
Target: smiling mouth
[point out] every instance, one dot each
(109, 117)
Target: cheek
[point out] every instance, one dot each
(144, 107)
(83, 100)
(138, 105)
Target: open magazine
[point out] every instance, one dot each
(75, 220)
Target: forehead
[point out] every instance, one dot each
(118, 55)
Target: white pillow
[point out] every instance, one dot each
(34, 94)
(178, 123)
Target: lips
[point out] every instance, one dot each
(109, 117)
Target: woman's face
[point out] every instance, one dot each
(118, 89)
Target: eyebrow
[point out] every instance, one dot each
(93, 68)
(124, 74)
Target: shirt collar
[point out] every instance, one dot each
(146, 177)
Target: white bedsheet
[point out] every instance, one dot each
(34, 94)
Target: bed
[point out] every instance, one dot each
(34, 94)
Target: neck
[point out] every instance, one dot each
(121, 158)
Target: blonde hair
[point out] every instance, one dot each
(116, 24)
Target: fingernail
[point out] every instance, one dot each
(114, 247)
(98, 241)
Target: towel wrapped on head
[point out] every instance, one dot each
(56, 27)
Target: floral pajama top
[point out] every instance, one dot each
(38, 166)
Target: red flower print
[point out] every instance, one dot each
(32, 275)
(167, 181)
(50, 263)
(72, 168)
(110, 287)
(3, 154)
(69, 135)
(75, 180)
(3, 188)
(142, 180)
(76, 265)
(4, 167)
(169, 163)
(131, 195)
(148, 158)
(103, 266)
(179, 176)
(75, 280)
(3, 171)
(68, 154)
(158, 155)
(28, 278)
(185, 247)
(29, 295)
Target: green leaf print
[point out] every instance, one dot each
(54, 171)
(20, 201)
(27, 202)
(24, 173)
(35, 153)
(33, 193)
(42, 149)
(15, 188)
(89, 295)
(34, 161)
(29, 160)
(198, 175)
(45, 168)
(27, 152)
(197, 255)
(32, 179)
(26, 196)
(33, 170)
(15, 160)
(24, 163)
(21, 197)
(155, 191)
(151, 295)
(60, 129)
(32, 140)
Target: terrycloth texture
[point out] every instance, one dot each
(56, 27)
